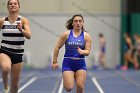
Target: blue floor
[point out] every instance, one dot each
(109, 81)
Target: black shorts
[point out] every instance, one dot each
(15, 58)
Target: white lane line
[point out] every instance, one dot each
(27, 84)
(56, 86)
(26, 76)
(61, 87)
(97, 85)
(0, 79)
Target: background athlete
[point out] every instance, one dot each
(102, 45)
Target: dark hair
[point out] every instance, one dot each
(127, 34)
(9, 1)
(101, 35)
(70, 21)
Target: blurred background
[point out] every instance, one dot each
(48, 17)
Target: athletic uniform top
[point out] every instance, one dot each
(12, 38)
(103, 46)
(137, 46)
(127, 46)
(71, 45)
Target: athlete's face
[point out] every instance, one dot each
(78, 22)
(13, 6)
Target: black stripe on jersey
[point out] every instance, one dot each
(9, 27)
(6, 19)
(13, 42)
(13, 34)
(18, 19)
(13, 50)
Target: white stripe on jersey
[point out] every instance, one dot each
(11, 31)
(12, 46)
(7, 23)
(13, 38)
(74, 58)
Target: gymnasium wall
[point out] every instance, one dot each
(67, 6)
(48, 19)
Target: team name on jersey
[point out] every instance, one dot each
(9, 27)
(75, 43)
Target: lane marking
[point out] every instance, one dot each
(97, 85)
(0, 79)
(26, 76)
(128, 79)
(56, 86)
(61, 87)
(27, 84)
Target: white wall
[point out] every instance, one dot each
(67, 6)
(47, 19)
(47, 28)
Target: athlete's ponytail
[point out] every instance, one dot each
(69, 24)
(70, 21)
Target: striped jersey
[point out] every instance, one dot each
(72, 43)
(12, 38)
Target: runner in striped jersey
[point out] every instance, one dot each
(15, 29)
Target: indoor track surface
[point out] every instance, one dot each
(98, 81)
